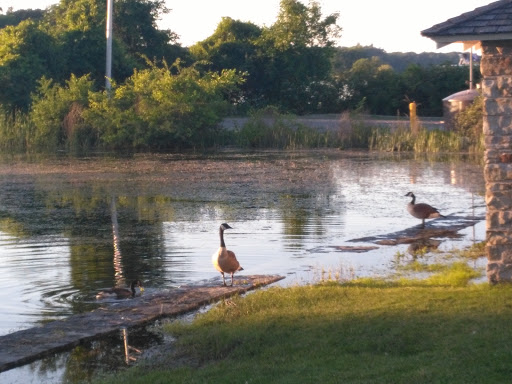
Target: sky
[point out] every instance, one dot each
(393, 25)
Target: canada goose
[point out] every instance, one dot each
(120, 293)
(223, 260)
(421, 210)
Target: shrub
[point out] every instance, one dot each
(57, 115)
(469, 121)
(156, 109)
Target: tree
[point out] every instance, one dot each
(301, 26)
(231, 45)
(70, 40)
(297, 51)
(15, 17)
(287, 63)
(79, 27)
(135, 24)
(26, 54)
(375, 84)
(428, 86)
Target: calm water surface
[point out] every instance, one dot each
(69, 227)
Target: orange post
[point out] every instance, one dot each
(413, 117)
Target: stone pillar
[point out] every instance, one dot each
(496, 68)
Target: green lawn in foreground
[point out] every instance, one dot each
(366, 332)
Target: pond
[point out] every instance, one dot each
(71, 226)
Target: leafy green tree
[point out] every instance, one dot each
(386, 92)
(79, 29)
(15, 17)
(375, 84)
(79, 26)
(302, 26)
(297, 52)
(232, 45)
(26, 54)
(428, 86)
(287, 63)
(70, 40)
(135, 24)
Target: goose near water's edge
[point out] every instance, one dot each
(421, 210)
(120, 293)
(224, 260)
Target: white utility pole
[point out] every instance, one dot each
(108, 73)
(471, 68)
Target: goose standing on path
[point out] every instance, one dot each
(120, 293)
(223, 260)
(421, 210)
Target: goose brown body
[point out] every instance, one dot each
(224, 260)
(120, 293)
(421, 210)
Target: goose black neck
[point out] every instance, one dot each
(132, 287)
(413, 198)
(221, 234)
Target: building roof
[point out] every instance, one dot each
(489, 22)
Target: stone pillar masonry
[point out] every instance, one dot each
(496, 69)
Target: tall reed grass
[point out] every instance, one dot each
(287, 132)
(15, 132)
(282, 132)
(432, 141)
(266, 130)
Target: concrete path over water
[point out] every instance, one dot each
(28, 345)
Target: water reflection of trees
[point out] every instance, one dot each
(465, 171)
(83, 362)
(83, 213)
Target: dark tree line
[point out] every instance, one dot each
(69, 39)
(292, 65)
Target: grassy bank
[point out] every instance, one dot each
(437, 330)
(347, 132)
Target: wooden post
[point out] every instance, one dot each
(413, 118)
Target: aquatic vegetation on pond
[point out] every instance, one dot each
(440, 268)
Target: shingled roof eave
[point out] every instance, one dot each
(436, 30)
(442, 41)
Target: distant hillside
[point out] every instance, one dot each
(16, 17)
(346, 56)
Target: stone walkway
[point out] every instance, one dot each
(28, 345)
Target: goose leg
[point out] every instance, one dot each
(232, 278)
(223, 279)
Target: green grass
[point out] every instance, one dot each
(441, 329)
